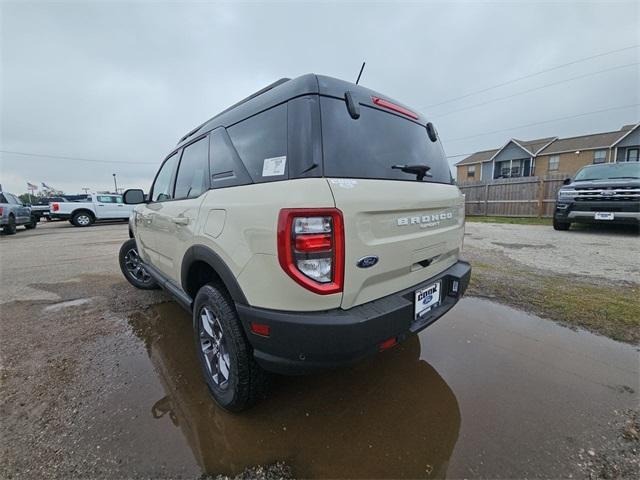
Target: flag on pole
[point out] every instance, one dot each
(31, 186)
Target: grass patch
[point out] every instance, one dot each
(512, 220)
(609, 310)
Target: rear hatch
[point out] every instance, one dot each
(413, 227)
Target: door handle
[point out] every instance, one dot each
(180, 220)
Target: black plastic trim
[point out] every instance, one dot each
(302, 342)
(205, 254)
(183, 299)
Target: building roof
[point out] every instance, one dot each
(550, 145)
(478, 157)
(583, 142)
(626, 133)
(535, 145)
(531, 145)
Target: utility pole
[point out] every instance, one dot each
(115, 183)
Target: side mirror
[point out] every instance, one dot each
(133, 196)
(566, 181)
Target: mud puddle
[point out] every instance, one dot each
(485, 392)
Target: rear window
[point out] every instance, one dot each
(369, 146)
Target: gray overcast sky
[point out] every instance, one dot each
(122, 81)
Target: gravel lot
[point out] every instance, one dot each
(612, 255)
(100, 380)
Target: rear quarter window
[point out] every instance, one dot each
(261, 143)
(369, 146)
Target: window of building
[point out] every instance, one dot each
(193, 172)
(599, 156)
(261, 143)
(471, 171)
(554, 162)
(162, 188)
(633, 155)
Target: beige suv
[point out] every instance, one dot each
(306, 227)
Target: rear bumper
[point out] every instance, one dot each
(302, 342)
(584, 212)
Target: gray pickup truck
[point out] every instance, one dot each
(605, 193)
(13, 213)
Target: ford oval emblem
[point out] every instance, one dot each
(366, 262)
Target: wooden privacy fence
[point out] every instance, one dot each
(512, 197)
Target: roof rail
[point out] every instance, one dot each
(244, 100)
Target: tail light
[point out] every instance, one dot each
(311, 247)
(55, 207)
(1, 211)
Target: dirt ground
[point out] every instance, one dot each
(610, 254)
(100, 380)
(583, 278)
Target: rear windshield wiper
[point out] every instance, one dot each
(420, 171)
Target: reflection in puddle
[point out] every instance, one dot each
(390, 416)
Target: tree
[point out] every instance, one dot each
(25, 198)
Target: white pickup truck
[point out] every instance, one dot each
(99, 206)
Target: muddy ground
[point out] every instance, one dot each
(100, 380)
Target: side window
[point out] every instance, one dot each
(118, 199)
(227, 170)
(261, 142)
(471, 171)
(193, 171)
(600, 156)
(105, 199)
(162, 188)
(2, 199)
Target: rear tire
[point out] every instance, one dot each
(232, 375)
(10, 227)
(82, 219)
(561, 225)
(132, 267)
(33, 224)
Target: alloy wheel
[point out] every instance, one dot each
(134, 266)
(214, 348)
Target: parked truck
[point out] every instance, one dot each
(605, 193)
(13, 213)
(97, 207)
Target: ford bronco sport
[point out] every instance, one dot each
(308, 226)
(605, 193)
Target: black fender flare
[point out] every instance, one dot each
(205, 254)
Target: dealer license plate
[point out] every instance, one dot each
(604, 216)
(427, 298)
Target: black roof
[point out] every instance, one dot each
(284, 90)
